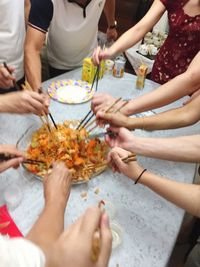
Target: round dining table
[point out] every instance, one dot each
(149, 224)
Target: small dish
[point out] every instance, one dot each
(71, 91)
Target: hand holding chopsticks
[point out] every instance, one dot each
(43, 118)
(11, 77)
(87, 123)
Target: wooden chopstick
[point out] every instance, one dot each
(44, 119)
(14, 82)
(7, 156)
(40, 90)
(97, 77)
(117, 110)
(127, 159)
(34, 162)
(86, 126)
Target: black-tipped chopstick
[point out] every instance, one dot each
(97, 77)
(94, 78)
(40, 90)
(7, 156)
(82, 121)
(34, 162)
(87, 121)
(14, 82)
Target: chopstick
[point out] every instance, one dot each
(97, 77)
(82, 121)
(50, 115)
(33, 162)
(44, 120)
(131, 157)
(14, 81)
(117, 110)
(87, 125)
(7, 156)
(96, 240)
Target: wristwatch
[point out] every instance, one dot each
(114, 26)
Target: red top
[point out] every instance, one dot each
(181, 45)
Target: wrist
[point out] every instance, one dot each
(112, 25)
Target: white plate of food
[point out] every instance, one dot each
(71, 91)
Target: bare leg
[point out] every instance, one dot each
(50, 223)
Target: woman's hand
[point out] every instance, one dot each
(122, 138)
(74, 247)
(18, 157)
(114, 119)
(100, 54)
(131, 169)
(101, 102)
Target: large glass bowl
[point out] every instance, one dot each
(23, 144)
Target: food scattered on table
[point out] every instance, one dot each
(69, 145)
(96, 190)
(84, 194)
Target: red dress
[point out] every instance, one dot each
(181, 45)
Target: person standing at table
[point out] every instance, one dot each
(47, 244)
(12, 35)
(72, 28)
(181, 45)
(183, 195)
(187, 83)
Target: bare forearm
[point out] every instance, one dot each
(184, 149)
(172, 119)
(109, 10)
(169, 92)
(177, 193)
(48, 227)
(136, 33)
(33, 68)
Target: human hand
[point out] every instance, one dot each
(111, 34)
(114, 119)
(74, 247)
(15, 161)
(101, 101)
(122, 138)
(26, 102)
(100, 54)
(6, 78)
(57, 185)
(131, 169)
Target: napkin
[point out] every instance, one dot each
(7, 225)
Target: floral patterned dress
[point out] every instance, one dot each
(181, 45)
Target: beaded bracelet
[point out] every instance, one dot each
(136, 181)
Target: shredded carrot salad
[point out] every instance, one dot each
(68, 145)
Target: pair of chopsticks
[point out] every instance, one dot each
(85, 123)
(96, 240)
(14, 81)
(7, 156)
(130, 158)
(96, 77)
(27, 86)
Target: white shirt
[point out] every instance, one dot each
(12, 34)
(72, 37)
(19, 252)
